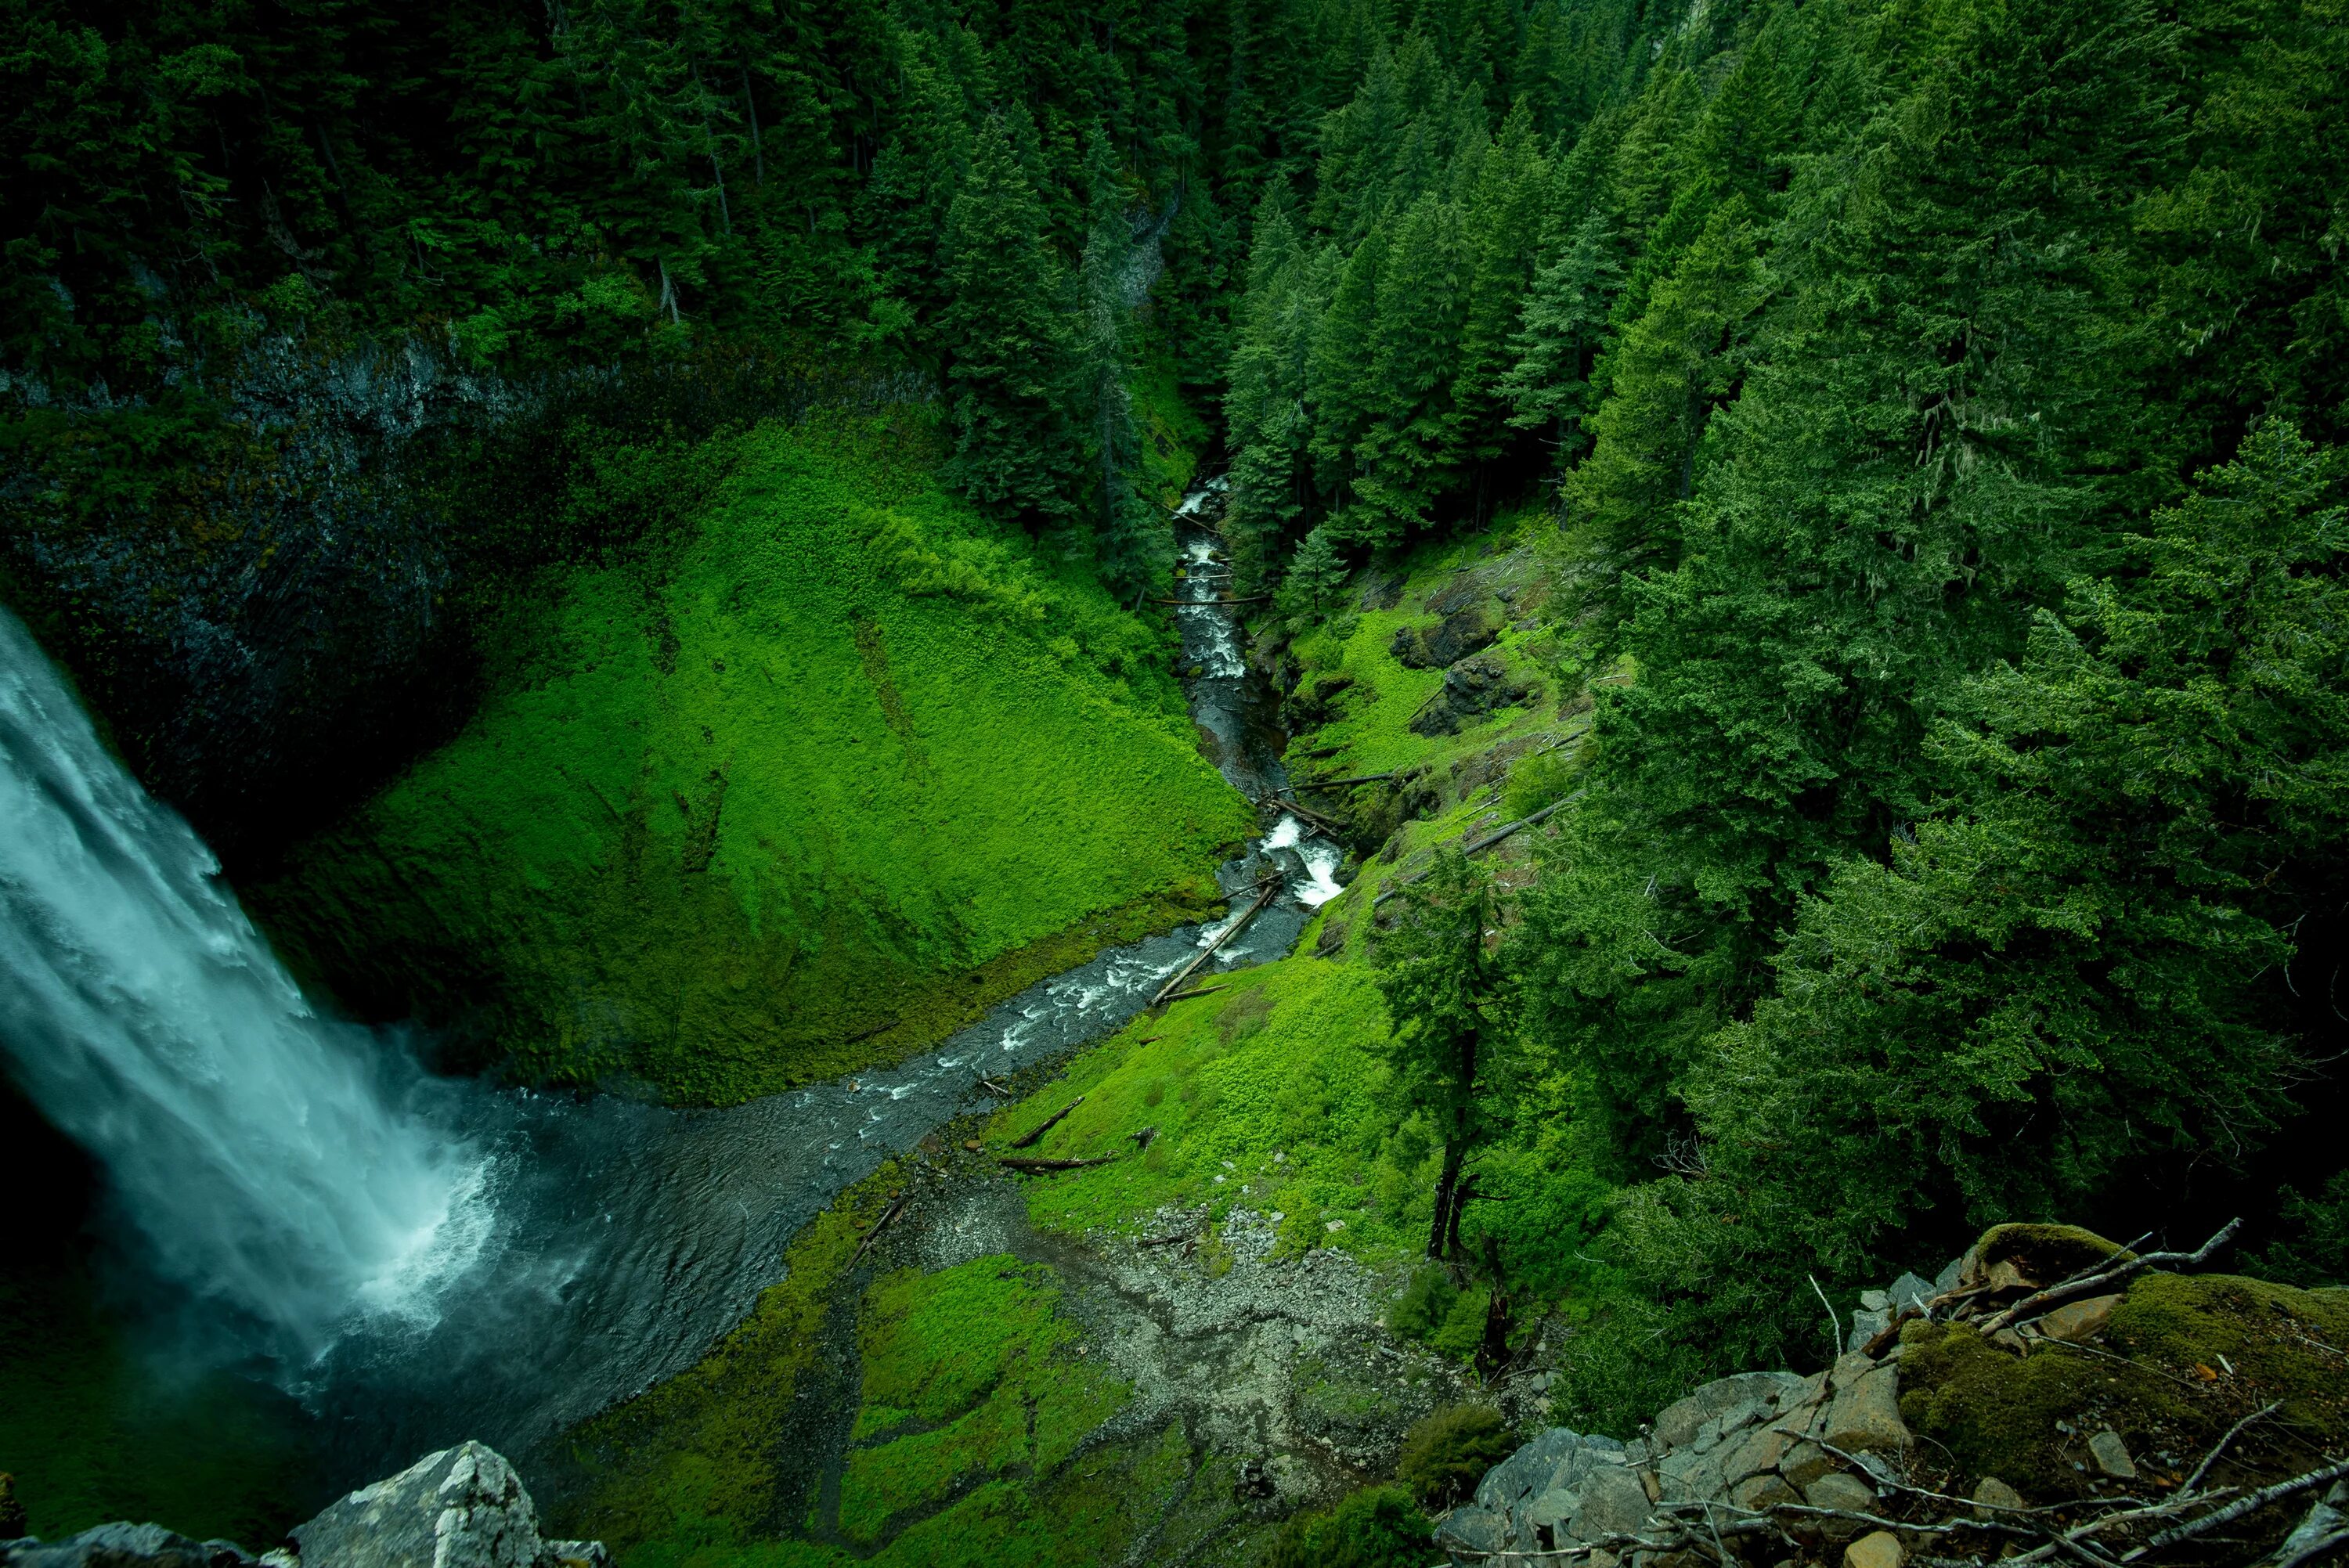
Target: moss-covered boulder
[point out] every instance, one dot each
(2183, 1358)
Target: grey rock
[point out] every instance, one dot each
(1866, 1414)
(461, 1507)
(124, 1546)
(1690, 1476)
(1947, 1279)
(1841, 1490)
(1910, 1292)
(1533, 1468)
(1474, 1530)
(1614, 1502)
(1764, 1491)
(2112, 1455)
(1677, 1424)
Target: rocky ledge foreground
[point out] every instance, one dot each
(461, 1507)
(2074, 1402)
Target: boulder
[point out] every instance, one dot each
(1464, 632)
(1767, 1490)
(124, 1546)
(1841, 1490)
(1614, 1502)
(1878, 1549)
(1756, 1452)
(2076, 1321)
(1478, 1531)
(1866, 1414)
(461, 1507)
(1472, 688)
(1679, 1422)
(1804, 1463)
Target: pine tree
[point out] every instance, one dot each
(2080, 967)
(1562, 332)
(1413, 347)
(1447, 994)
(1011, 372)
(1665, 375)
(1501, 229)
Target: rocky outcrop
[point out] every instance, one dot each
(461, 1507)
(1464, 632)
(1753, 1441)
(1472, 688)
(1971, 1416)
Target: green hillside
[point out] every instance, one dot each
(849, 764)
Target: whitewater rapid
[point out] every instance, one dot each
(424, 1260)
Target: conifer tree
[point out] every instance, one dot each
(1446, 992)
(1665, 375)
(1011, 371)
(1412, 349)
(1501, 229)
(1562, 332)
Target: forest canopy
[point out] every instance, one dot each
(1939, 403)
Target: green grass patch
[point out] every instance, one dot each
(1266, 1095)
(977, 1359)
(850, 765)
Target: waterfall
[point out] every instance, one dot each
(285, 1166)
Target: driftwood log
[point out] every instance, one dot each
(1030, 1140)
(1271, 886)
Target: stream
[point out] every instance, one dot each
(422, 1260)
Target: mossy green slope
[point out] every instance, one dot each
(847, 765)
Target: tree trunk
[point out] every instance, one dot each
(1446, 1224)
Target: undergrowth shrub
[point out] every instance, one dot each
(1448, 1452)
(1377, 1527)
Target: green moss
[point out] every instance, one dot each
(2188, 1358)
(976, 1359)
(813, 793)
(1272, 1085)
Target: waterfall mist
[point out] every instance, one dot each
(281, 1165)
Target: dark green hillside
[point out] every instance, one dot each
(848, 768)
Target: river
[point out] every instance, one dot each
(422, 1260)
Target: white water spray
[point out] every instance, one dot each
(273, 1160)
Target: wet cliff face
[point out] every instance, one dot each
(270, 569)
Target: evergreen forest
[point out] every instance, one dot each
(1925, 422)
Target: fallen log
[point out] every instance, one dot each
(1051, 1121)
(1166, 992)
(991, 1087)
(1340, 783)
(888, 1216)
(1038, 1167)
(1186, 995)
(1142, 1139)
(1282, 804)
(1201, 604)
